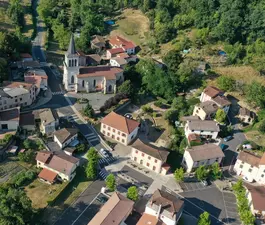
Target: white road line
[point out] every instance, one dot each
(86, 208)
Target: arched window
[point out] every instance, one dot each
(72, 79)
(70, 63)
(75, 62)
(110, 88)
(83, 83)
(94, 83)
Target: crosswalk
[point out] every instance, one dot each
(103, 173)
(73, 118)
(106, 161)
(58, 93)
(91, 137)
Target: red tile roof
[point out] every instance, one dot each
(48, 175)
(115, 50)
(121, 42)
(99, 71)
(212, 91)
(120, 123)
(43, 156)
(258, 197)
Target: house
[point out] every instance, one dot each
(256, 199)
(26, 57)
(204, 128)
(89, 79)
(9, 119)
(119, 42)
(15, 94)
(56, 165)
(115, 211)
(250, 167)
(205, 110)
(222, 102)
(110, 53)
(149, 156)
(118, 62)
(49, 121)
(165, 207)
(246, 116)
(93, 59)
(209, 93)
(27, 121)
(97, 42)
(119, 128)
(37, 76)
(65, 136)
(201, 155)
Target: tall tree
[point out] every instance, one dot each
(201, 173)
(179, 174)
(220, 116)
(132, 193)
(92, 165)
(111, 182)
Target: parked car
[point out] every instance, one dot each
(228, 138)
(128, 115)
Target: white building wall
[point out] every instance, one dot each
(11, 125)
(165, 219)
(187, 161)
(117, 135)
(145, 159)
(204, 97)
(199, 112)
(213, 134)
(113, 62)
(245, 170)
(260, 177)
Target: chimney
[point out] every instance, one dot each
(158, 211)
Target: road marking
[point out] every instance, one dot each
(86, 208)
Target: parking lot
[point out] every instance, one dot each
(193, 185)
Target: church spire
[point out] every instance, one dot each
(71, 48)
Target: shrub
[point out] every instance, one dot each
(158, 103)
(261, 127)
(23, 178)
(147, 109)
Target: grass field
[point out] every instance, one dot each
(41, 193)
(6, 23)
(132, 24)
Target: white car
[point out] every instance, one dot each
(104, 152)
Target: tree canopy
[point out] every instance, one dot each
(204, 219)
(132, 193)
(92, 165)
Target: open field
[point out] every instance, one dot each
(132, 24)
(41, 193)
(6, 23)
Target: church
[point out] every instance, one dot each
(79, 77)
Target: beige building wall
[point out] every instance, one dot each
(199, 112)
(117, 135)
(146, 160)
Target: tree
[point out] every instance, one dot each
(27, 156)
(15, 206)
(255, 94)
(126, 88)
(3, 70)
(204, 219)
(28, 144)
(81, 148)
(111, 182)
(226, 83)
(216, 171)
(261, 127)
(132, 193)
(61, 34)
(92, 165)
(89, 111)
(173, 59)
(16, 12)
(220, 116)
(179, 174)
(201, 173)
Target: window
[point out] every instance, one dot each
(108, 133)
(147, 164)
(113, 130)
(94, 83)
(103, 131)
(263, 171)
(262, 175)
(135, 158)
(108, 128)
(4, 127)
(72, 79)
(143, 154)
(192, 130)
(104, 126)
(16, 100)
(154, 168)
(20, 99)
(83, 83)
(118, 138)
(124, 135)
(250, 170)
(113, 136)
(149, 157)
(122, 140)
(241, 166)
(119, 132)
(251, 166)
(155, 160)
(136, 151)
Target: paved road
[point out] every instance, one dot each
(71, 215)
